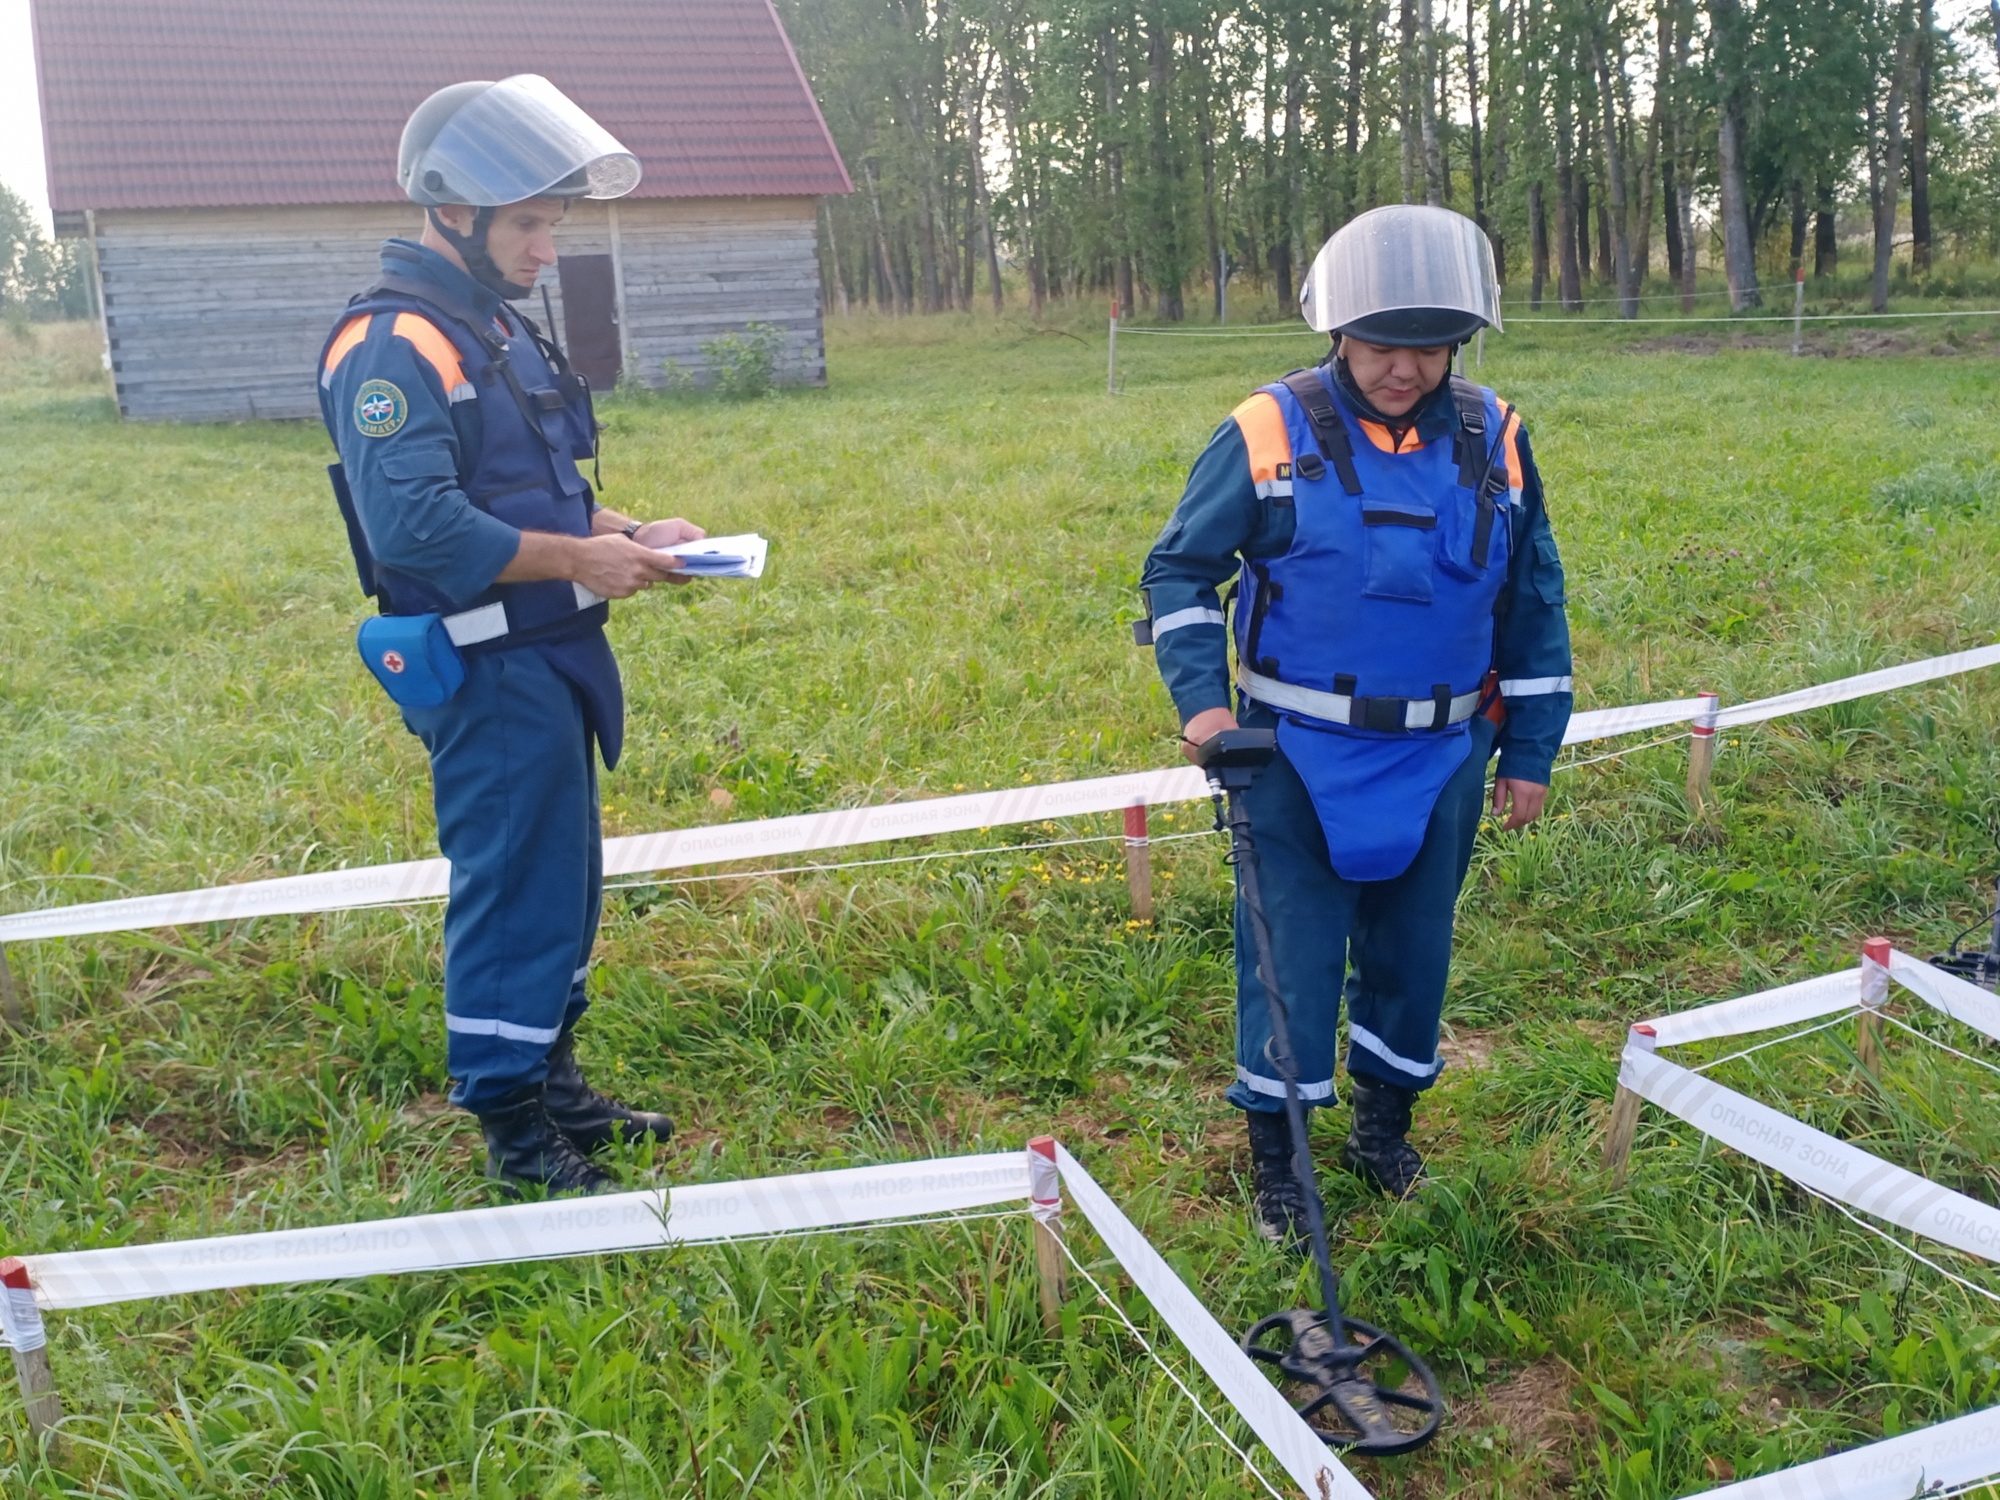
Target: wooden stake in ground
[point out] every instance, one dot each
(1701, 758)
(1139, 863)
(1045, 1203)
(1874, 995)
(21, 1320)
(1111, 358)
(1624, 1118)
(1798, 310)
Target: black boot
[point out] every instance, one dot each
(1277, 1204)
(1376, 1150)
(524, 1146)
(590, 1120)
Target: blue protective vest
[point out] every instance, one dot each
(1382, 611)
(534, 422)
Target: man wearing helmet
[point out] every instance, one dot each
(459, 429)
(1398, 620)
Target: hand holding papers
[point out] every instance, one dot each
(721, 556)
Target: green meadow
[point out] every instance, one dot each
(959, 519)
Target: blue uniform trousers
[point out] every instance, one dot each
(1395, 933)
(515, 783)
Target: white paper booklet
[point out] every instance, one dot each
(722, 556)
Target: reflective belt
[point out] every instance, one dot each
(1359, 713)
(489, 622)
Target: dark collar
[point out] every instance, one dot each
(418, 262)
(1432, 416)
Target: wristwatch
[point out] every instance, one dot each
(631, 531)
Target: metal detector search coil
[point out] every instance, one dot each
(1358, 1388)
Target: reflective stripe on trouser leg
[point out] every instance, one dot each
(1402, 937)
(1309, 909)
(516, 798)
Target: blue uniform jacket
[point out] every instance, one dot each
(1221, 518)
(419, 521)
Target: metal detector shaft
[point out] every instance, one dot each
(1243, 853)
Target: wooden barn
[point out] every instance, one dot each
(233, 166)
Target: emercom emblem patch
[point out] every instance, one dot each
(379, 408)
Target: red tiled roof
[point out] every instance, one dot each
(215, 103)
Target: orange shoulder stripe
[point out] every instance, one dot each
(1270, 445)
(1510, 440)
(438, 351)
(351, 333)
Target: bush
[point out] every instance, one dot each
(741, 366)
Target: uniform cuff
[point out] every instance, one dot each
(1526, 765)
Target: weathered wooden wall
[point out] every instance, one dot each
(219, 314)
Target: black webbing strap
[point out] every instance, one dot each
(1469, 401)
(1478, 471)
(1440, 707)
(491, 342)
(1328, 430)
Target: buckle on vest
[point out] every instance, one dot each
(1387, 714)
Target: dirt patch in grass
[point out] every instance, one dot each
(1535, 1419)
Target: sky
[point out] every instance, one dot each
(20, 121)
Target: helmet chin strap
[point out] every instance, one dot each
(479, 264)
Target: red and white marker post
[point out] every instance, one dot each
(1045, 1204)
(1874, 995)
(1701, 757)
(1625, 1111)
(21, 1321)
(1139, 862)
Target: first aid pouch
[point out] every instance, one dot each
(413, 657)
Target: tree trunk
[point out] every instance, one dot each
(1583, 266)
(1538, 244)
(1357, 72)
(833, 255)
(1435, 187)
(1739, 259)
(1569, 278)
(1167, 258)
(1114, 155)
(1407, 72)
(1886, 166)
(1797, 195)
(1499, 30)
(1205, 121)
(1472, 102)
(1920, 141)
(1024, 185)
(1614, 173)
(1670, 217)
(972, 104)
(888, 278)
(1826, 232)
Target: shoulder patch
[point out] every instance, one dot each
(379, 408)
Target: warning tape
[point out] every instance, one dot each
(899, 1193)
(1938, 1460)
(722, 843)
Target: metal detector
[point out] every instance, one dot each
(1983, 969)
(1360, 1389)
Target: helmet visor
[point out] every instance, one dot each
(520, 139)
(1406, 257)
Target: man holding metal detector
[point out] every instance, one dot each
(1398, 620)
(459, 428)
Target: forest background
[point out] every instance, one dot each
(1086, 147)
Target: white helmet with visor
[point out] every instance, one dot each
(489, 144)
(1406, 275)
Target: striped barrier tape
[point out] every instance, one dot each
(651, 1220)
(678, 849)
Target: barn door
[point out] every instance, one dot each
(590, 318)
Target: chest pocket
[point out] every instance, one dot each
(1472, 541)
(1399, 546)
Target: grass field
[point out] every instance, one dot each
(959, 521)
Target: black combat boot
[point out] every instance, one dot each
(524, 1146)
(1376, 1150)
(590, 1120)
(1277, 1203)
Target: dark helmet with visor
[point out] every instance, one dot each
(1406, 275)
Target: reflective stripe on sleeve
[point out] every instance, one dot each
(505, 1030)
(1529, 687)
(1196, 615)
